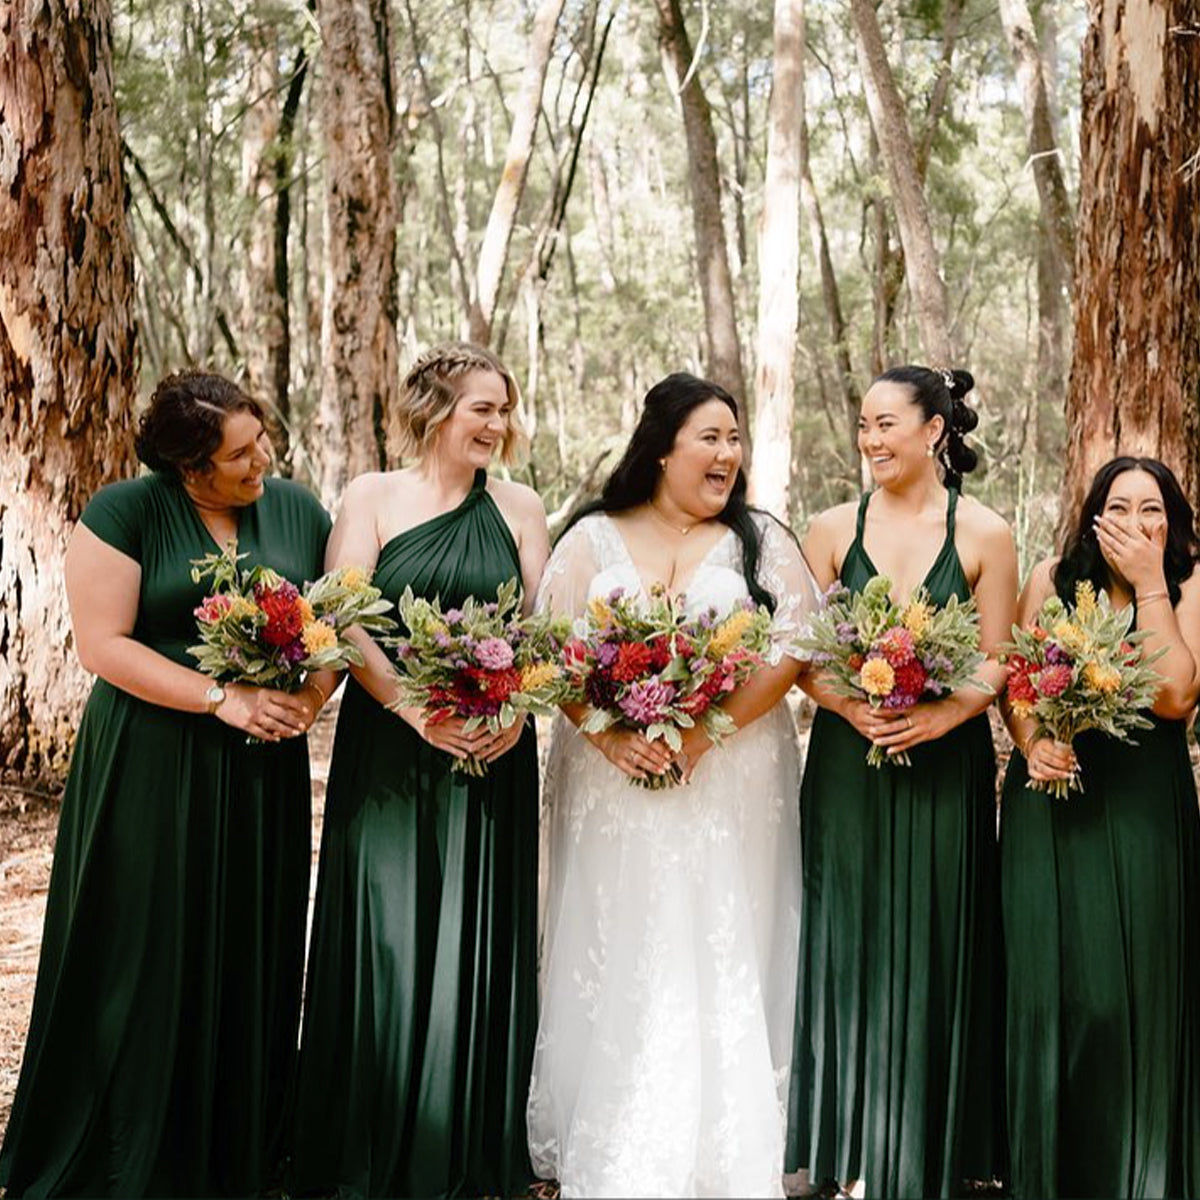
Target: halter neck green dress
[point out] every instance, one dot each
(893, 1078)
(421, 1010)
(1101, 904)
(162, 1044)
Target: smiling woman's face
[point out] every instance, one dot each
(893, 435)
(1135, 502)
(239, 463)
(703, 465)
(481, 419)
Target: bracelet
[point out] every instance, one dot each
(1163, 595)
(1027, 747)
(320, 694)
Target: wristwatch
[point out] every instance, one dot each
(215, 697)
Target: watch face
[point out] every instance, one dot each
(216, 693)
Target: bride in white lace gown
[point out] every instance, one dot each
(672, 919)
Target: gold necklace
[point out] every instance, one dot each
(680, 529)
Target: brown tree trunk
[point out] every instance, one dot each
(779, 267)
(1043, 148)
(260, 303)
(493, 253)
(912, 216)
(1135, 371)
(67, 350)
(359, 353)
(724, 353)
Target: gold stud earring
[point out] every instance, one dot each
(929, 450)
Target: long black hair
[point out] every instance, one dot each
(1081, 556)
(942, 394)
(667, 406)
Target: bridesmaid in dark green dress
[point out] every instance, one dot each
(421, 1007)
(162, 1042)
(1101, 891)
(893, 1075)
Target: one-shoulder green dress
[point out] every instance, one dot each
(163, 1037)
(420, 1015)
(893, 1079)
(1101, 904)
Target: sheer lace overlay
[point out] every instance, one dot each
(672, 927)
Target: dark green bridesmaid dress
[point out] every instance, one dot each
(894, 1065)
(421, 1008)
(1101, 905)
(163, 1037)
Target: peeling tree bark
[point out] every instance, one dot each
(67, 350)
(359, 353)
(724, 364)
(493, 253)
(1135, 371)
(779, 267)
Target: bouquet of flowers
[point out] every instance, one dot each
(483, 661)
(654, 670)
(1078, 668)
(893, 656)
(256, 627)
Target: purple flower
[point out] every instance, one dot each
(899, 700)
(490, 608)
(442, 641)
(1056, 654)
(821, 657)
(494, 654)
(606, 653)
(847, 631)
(294, 652)
(615, 595)
(453, 615)
(646, 703)
(460, 664)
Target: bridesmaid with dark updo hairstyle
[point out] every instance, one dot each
(893, 1081)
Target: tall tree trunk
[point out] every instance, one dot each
(1043, 149)
(67, 349)
(261, 308)
(912, 216)
(493, 253)
(1135, 371)
(724, 352)
(359, 354)
(779, 266)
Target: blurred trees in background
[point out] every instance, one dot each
(606, 191)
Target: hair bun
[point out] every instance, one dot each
(959, 383)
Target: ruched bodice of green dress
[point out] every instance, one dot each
(894, 1069)
(162, 1042)
(421, 1006)
(1101, 903)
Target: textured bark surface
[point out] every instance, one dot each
(912, 215)
(724, 364)
(1135, 371)
(493, 252)
(359, 358)
(779, 267)
(67, 350)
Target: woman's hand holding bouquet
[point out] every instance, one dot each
(894, 658)
(481, 666)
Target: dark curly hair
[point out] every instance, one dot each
(185, 422)
(667, 406)
(1081, 556)
(941, 394)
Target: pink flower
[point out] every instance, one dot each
(1053, 681)
(494, 654)
(646, 703)
(896, 646)
(213, 609)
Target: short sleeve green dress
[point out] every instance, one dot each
(1101, 906)
(162, 1041)
(421, 1007)
(894, 1063)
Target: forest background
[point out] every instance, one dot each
(784, 197)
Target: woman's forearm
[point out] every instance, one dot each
(142, 672)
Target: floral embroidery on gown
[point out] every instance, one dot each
(671, 926)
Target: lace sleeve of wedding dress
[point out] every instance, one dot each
(785, 573)
(569, 573)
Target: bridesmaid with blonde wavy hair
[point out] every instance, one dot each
(422, 991)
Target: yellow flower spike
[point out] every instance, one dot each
(877, 677)
(1085, 598)
(599, 611)
(728, 634)
(1101, 677)
(355, 578)
(916, 618)
(240, 607)
(305, 610)
(318, 636)
(537, 675)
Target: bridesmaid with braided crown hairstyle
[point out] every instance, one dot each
(892, 1079)
(421, 1008)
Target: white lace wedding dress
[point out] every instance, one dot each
(672, 927)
